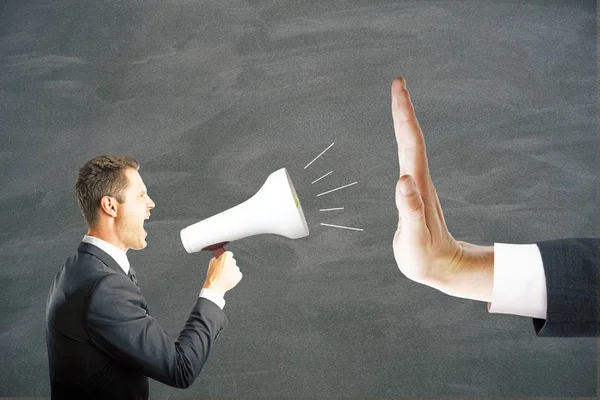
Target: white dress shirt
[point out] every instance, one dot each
(121, 258)
(519, 281)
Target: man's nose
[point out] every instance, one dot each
(151, 204)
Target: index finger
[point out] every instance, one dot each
(409, 136)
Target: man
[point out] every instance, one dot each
(555, 282)
(102, 343)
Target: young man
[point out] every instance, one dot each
(102, 343)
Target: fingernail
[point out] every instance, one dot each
(408, 187)
(402, 81)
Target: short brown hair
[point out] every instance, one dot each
(99, 177)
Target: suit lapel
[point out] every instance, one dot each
(102, 255)
(108, 261)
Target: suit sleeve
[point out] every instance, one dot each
(118, 324)
(571, 270)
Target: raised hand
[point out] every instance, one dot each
(424, 249)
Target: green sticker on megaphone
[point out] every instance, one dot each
(296, 201)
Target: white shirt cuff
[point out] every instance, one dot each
(519, 281)
(213, 296)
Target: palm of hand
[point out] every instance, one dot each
(425, 252)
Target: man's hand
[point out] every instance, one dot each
(223, 273)
(424, 249)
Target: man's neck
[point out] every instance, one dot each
(107, 235)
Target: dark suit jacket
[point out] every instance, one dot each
(102, 344)
(571, 269)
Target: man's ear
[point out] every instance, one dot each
(108, 205)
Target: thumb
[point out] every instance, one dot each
(410, 204)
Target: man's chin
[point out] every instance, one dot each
(140, 245)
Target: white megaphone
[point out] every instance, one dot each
(275, 209)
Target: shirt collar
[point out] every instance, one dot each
(117, 254)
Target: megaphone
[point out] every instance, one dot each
(274, 209)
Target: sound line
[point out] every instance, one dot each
(343, 227)
(321, 177)
(333, 190)
(319, 155)
(331, 209)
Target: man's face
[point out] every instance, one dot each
(129, 223)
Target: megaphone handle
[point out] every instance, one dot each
(217, 248)
(217, 252)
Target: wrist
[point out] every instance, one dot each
(469, 274)
(212, 288)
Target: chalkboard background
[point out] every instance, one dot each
(213, 96)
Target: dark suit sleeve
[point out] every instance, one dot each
(118, 324)
(571, 270)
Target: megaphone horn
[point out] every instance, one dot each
(274, 209)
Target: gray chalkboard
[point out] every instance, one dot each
(213, 96)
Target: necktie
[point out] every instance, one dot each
(131, 275)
